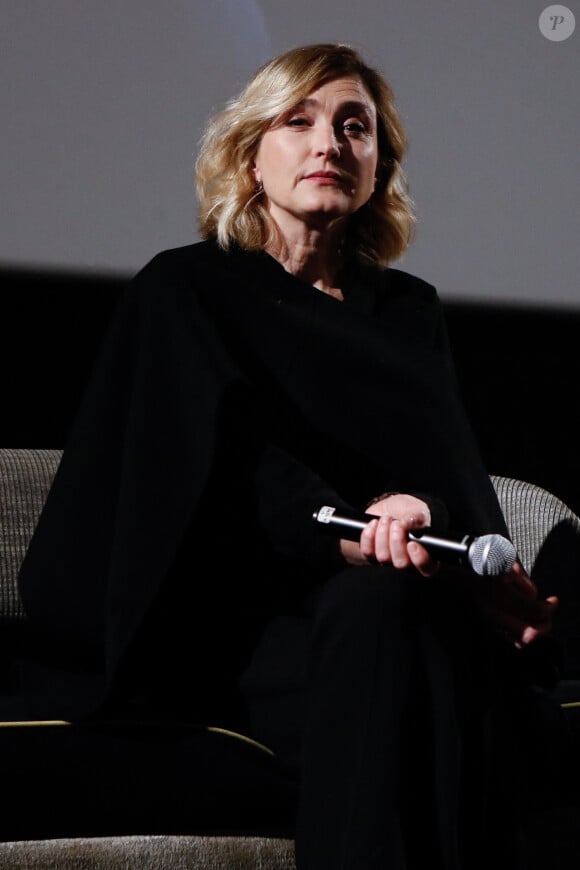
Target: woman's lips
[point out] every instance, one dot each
(332, 178)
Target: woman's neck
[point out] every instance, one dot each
(312, 256)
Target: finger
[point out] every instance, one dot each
(520, 580)
(525, 623)
(531, 633)
(537, 614)
(382, 539)
(367, 540)
(418, 555)
(542, 626)
(422, 560)
(400, 553)
(544, 622)
(398, 544)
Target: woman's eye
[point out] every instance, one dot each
(297, 122)
(355, 127)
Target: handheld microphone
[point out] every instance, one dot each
(487, 555)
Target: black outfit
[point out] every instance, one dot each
(176, 574)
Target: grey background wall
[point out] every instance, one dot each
(102, 105)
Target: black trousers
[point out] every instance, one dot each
(380, 691)
(374, 692)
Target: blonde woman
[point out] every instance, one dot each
(279, 365)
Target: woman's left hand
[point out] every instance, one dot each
(513, 604)
(511, 601)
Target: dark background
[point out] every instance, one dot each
(518, 370)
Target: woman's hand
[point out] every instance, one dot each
(384, 540)
(512, 603)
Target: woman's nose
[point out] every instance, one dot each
(326, 142)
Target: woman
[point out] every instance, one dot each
(177, 576)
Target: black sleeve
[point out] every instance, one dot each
(288, 494)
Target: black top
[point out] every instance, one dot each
(231, 399)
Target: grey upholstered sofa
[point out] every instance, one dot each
(533, 515)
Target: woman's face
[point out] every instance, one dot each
(317, 163)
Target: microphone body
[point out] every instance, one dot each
(488, 555)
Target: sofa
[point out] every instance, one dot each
(546, 534)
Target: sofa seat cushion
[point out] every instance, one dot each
(150, 853)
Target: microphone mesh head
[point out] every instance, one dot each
(492, 555)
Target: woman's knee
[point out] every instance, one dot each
(370, 592)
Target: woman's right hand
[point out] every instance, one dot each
(384, 540)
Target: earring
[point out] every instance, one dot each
(259, 187)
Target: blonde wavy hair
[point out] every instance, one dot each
(230, 207)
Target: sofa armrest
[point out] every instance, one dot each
(26, 475)
(532, 514)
